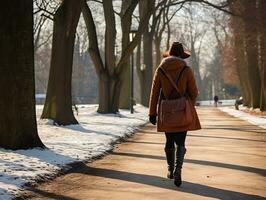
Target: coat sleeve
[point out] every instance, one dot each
(192, 89)
(154, 95)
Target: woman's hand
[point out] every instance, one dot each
(153, 119)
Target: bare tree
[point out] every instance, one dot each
(58, 102)
(126, 13)
(193, 36)
(145, 72)
(110, 71)
(164, 21)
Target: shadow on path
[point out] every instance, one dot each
(187, 187)
(143, 142)
(47, 195)
(226, 138)
(259, 171)
(231, 128)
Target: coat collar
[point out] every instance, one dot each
(166, 63)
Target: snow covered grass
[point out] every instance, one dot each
(257, 120)
(94, 136)
(222, 102)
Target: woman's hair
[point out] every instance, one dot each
(165, 54)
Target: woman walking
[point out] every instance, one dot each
(175, 90)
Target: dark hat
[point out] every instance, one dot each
(177, 50)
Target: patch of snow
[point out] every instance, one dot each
(92, 137)
(259, 121)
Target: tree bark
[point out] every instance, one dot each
(109, 89)
(196, 70)
(146, 72)
(262, 32)
(157, 42)
(138, 70)
(127, 9)
(58, 103)
(18, 128)
(237, 25)
(251, 38)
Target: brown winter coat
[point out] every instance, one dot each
(172, 65)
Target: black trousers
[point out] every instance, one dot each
(177, 138)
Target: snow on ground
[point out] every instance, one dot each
(94, 136)
(259, 121)
(222, 102)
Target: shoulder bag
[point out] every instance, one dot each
(175, 112)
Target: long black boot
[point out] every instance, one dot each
(170, 157)
(180, 154)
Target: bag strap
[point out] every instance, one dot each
(171, 80)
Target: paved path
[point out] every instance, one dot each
(225, 160)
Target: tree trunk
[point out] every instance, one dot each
(157, 42)
(127, 9)
(242, 68)
(263, 74)
(251, 37)
(237, 25)
(18, 128)
(196, 70)
(109, 90)
(58, 102)
(124, 97)
(146, 73)
(168, 36)
(111, 69)
(138, 72)
(262, 29)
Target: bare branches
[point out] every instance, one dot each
(37, 46)
(47, 8)
(142, 25)
(127, 10)
(43, 10)
(41, 14)
(93, 42)
(97, 1)
(221, 7)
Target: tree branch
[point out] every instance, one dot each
(131, 46)
(93, 42)
(110, 36)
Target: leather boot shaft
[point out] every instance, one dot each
(180, 154)
(170, 157)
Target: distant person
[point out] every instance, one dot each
(239, 101)
(216, 99)
(174, 82)
(76, 108)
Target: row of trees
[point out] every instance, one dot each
(18, 127)
(112, 70)
(249, 36)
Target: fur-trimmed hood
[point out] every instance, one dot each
(172, 63)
